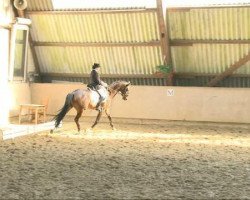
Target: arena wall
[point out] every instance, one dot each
(4, 57)
(6, 16)
(164, 103)
(20, 93)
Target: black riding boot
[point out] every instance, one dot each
(98, 105)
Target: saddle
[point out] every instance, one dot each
(95, 87)
(91, 87)
(98, 89)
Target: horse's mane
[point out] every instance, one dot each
(117, 84)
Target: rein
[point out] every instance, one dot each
(110, 91)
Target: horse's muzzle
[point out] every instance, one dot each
(125, 98)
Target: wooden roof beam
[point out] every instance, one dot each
(188, 42)
(178, 75)
(230, 70)
(164, 38)
(97, 44)
(82, 12)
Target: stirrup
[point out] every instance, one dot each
(98, 108)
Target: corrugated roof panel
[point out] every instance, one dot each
(114, 60)
(99, 27)
(40, 5)
(134, 81)
(217, 23)
(197, 81)
(235, 82)
(209, 58)
(198, 23)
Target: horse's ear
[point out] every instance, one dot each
(128, 84)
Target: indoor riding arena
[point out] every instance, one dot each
(174, 117)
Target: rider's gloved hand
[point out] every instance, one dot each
(104, 84)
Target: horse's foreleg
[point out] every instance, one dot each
(79, 114)
(97, 119)
(110, 119)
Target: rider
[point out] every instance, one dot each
(96, 83)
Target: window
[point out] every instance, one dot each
(18, 54)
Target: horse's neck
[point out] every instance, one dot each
(114, 89)
(113, 93)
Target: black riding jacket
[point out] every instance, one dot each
(95, 80)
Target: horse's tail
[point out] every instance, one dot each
(63, 111)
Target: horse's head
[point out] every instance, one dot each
(121, 87)
(125, 90)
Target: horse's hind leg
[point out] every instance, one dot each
(97, 119)
(79, 114)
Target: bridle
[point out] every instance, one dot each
(124, 92)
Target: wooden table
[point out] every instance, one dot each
(33, 107)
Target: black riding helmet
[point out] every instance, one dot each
(96, 65)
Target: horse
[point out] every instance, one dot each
(82, 99)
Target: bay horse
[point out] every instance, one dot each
(82, 99)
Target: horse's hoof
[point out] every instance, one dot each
(51, 131)
(114, 129)
(60, 125)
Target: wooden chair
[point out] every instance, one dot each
(45, 102)
(41, 113)
(35, 110)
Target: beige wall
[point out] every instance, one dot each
(6, 16)
(4, 57)
(152, 102)
(12, 94)
(19, 94)
(6, 12)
